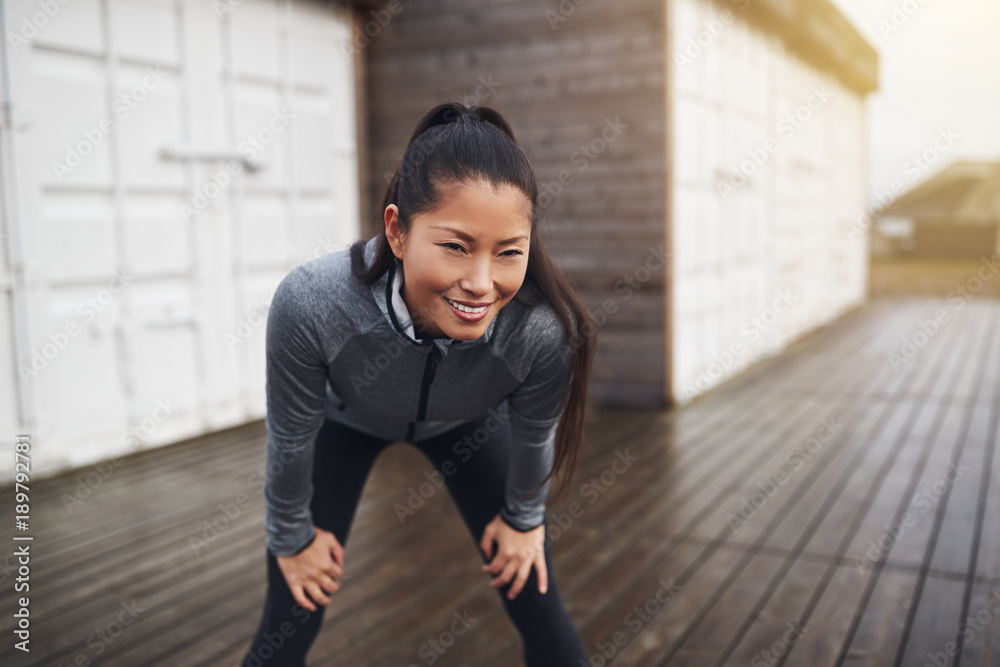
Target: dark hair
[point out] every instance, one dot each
(455, 143)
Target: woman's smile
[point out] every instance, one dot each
(467, 314)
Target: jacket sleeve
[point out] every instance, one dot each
(535, 408)
(296, 402)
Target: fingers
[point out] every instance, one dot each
(522, 577)
(315, 590)
(510, 565)
(337, 552)
(543, 575)
(335, 549)
(516, 554)
(312, 573)
(486, 541)
(300, 597)
(510, 568)
(318, 593)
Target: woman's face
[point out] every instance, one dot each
(471, 250)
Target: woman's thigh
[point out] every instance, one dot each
(342, 462)
(473, 460)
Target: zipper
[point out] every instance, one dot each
(430, 369)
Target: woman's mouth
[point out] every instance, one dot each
(467, 314)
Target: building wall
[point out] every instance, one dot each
(564, 74)
(766, 260)
(135, 284)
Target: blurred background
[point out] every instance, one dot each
(722, 181)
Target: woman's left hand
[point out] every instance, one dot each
(517, 552)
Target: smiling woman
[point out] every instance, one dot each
(463, 329)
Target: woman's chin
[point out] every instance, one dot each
(468, 331)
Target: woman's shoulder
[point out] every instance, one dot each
(324, 286)
(532, 327)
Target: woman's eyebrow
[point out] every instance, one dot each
(465, 237)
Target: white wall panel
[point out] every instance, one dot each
(781, 230)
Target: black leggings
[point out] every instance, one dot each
(342, 460)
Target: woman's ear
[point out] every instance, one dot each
(392, 232)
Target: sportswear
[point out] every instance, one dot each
(342, 350)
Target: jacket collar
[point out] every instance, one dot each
(387, 293)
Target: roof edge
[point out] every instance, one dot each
(820, 33)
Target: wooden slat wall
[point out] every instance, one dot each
(557, 87)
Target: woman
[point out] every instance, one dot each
(452, 330)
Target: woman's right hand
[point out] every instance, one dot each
(314, 569)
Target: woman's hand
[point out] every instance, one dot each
(516, 554)
(314, 569)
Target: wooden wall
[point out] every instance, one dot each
(559, 72)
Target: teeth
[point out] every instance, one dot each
(466, 309)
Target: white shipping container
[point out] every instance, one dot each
(164, 164)
(763, 263)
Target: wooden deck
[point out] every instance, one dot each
(821, 509)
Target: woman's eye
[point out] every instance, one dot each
(458, 247)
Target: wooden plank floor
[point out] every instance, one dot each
(823, 508)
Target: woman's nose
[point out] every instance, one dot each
(478, 279)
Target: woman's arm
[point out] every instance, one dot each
(518, 529)
(309, 558)
(296, 402)
(535, 408)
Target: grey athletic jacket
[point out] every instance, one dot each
(342, 350)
